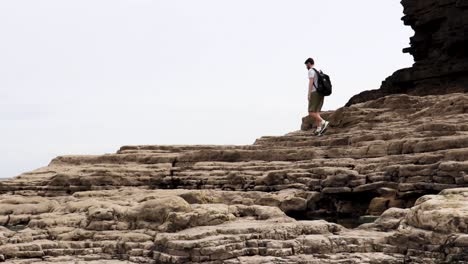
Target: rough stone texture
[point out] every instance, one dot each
(385, 159)
(385, 185)
(439, 48)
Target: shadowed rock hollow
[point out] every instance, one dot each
(288, 199)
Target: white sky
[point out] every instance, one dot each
(87, 76)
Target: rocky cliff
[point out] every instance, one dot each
(367, 192)
(439, 48)
(387, 184)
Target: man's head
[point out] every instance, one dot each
(309, 63)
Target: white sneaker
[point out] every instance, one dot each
(317, 131)
(324, 126)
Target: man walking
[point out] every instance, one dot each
(315, 99)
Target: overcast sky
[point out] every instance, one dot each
(87, 76)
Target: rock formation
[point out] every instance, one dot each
(439, 48)
(387, 184)
(288, 199)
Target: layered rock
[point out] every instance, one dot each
(439, 48)
(140, 226)
(260, 203)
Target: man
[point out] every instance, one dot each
(315, 99)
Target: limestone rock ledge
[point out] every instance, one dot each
(296, 198)
(159, 226)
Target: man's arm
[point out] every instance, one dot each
(311, 87)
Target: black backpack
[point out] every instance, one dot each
(324, 84)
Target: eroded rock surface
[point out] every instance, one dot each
(288, 199)
(439, 48)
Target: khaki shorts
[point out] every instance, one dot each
(315, 102)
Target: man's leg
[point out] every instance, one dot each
(317, 118)
(314, 104)
(317, 122)
(323, 122)
(319, 108)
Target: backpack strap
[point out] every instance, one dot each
(316, 76)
